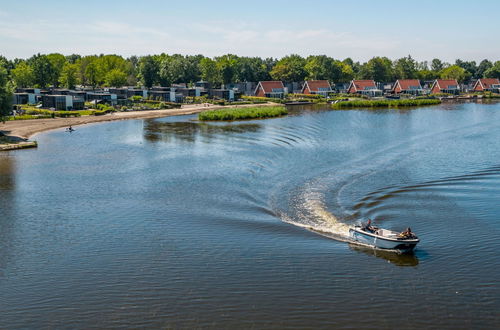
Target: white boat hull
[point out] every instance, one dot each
(383, 239)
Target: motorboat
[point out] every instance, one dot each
(384, 238)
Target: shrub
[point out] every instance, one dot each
(243, 113)
(385, 103)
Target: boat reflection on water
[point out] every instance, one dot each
(403, 259)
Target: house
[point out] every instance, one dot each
(159, 95)
(24, 98)
(407, 86)
(273, 89)
(320, 87)
(487, 84)
(137, 92)
(96, 97)
(223, 94)
(364, 87)
(62, 102)
(449, 86)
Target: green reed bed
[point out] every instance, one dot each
(243, 113)
(385, 103)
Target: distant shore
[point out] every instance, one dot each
(24, 129)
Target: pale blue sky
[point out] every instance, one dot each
(358, 29)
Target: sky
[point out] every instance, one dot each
(361, 29)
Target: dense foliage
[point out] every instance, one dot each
(385, 103)
(5, 93)
(113, 70)
(243, 113)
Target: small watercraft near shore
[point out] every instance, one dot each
(384, 238)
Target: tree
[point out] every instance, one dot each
(437, 65)
(323, 68)
(92, 74)
(5, 95)
(148, 70)
(494, 71)
(43, 70)
(347, 73)
(378, 69)
(69, 75)
(405, 68)
(482, 68)
(427, 75)
(57, 61)
(227, 65)
(23, 75)
(469, 66)
(209, 71)
(289, 68)
(454, 72)
(116, 78)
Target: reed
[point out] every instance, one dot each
(385, 103)
(243, 113)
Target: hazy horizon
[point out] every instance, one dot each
(447, 30)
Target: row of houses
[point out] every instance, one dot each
(65, 99)
(370, 88)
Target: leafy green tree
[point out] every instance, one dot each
(228, 67)
(437, 65)
(69, 75)
(5, 95)
(482, 68)
(116, 78)
(57, 61)
(469, 66)
(323, 67)
(378, 69)
(454, 72)
(43, 70)
(494, 71)
(427, 75)
(92, 74)
(290, 68)
(23, 75)
(148, 69)
(210, 71)
(347, 73)
(405, 68)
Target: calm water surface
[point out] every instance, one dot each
(175, 223)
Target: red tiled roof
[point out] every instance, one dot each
(363, 84)
(406, 84)
(268, 86)
(315, 85)
(445, 83)
(487, 82)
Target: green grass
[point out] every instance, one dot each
(243, 113)
(385, 103)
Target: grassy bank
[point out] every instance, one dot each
(385, 103)
(243, 113)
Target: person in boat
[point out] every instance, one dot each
(368, 226)
(407, 233)
(70, 128)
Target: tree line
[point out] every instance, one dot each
(57, 70)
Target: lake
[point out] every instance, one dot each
(173, 223)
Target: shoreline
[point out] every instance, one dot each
(24, 129)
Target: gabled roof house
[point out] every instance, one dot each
(273, 89)
(321, 87)
(364, 87)
(487, 84)
(449, 86)
(407, 86)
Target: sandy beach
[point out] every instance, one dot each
(26, 128)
